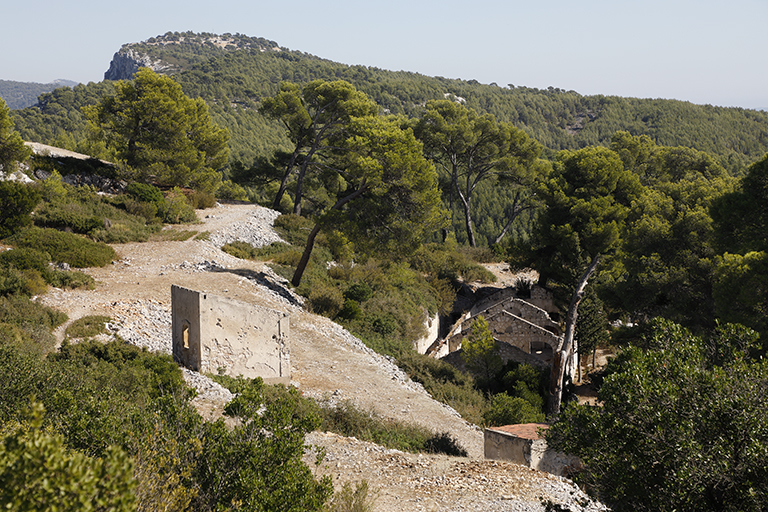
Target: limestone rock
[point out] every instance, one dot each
(127, 61)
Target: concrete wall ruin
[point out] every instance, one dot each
(212, 333)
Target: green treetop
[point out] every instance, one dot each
(315, 118)
(682, 425)
(587, 200)
(480, 352)
(471, 148)
(388, 201)
(161, 134)
(12, 148)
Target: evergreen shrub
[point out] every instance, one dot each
(63, 247)
(508, 410)
(16, 203)
(25, 258)
(87, 326)
(176, 209)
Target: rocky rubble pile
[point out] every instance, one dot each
(407, 481)
(257, 230)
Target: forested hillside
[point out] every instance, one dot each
(645, 219)
(233, 73)
(233, 79)
(24, 94)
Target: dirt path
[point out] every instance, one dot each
(326, 361)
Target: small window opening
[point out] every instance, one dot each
(185, 335)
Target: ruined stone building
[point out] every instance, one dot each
(529, 324)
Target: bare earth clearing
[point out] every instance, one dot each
(326, 362)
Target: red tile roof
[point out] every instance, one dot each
(523, 430)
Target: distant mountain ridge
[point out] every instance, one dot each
(24, 94)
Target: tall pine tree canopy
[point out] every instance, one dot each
(160, 133)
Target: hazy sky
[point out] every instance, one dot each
(703, 51)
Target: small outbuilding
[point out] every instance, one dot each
(524, 444)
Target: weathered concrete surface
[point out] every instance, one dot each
(212, 334)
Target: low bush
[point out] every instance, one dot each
(201, 200)
(70, 279)
(444, 443)
(24, 258)
(230, 191)
(144, 192)
(34, 282)
(63, 247)
(16, 203)
(110, 220)
(349, 420)
(127, 368)
(27, 271)
(350, 311)
(176, 209)
(446, 384)
(325, 299)
(508, 410)
(294, 229)
(359, 292)
(29, 339)
(344, 418)
(148, 211)
(19, 310)
(12, 282)
(87, 326)
(74, 215)
(448, 261)
(352, 500)
(240, 249)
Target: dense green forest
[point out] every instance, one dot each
(18, 95)
(234, 78)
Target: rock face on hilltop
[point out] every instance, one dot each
(127, 61)
(182, 49)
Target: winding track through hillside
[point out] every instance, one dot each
(326, 361)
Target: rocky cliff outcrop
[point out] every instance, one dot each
(198, 48)
(127, 61)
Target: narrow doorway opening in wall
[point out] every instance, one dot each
(185, 335)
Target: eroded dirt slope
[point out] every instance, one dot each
(326, 362)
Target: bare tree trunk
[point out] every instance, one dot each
(560, 358)
(468, 223)
(284, 182)
(302, 266)
(299, 189)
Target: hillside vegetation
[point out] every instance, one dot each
(649, 213)
(233, 80)
(25, 94)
